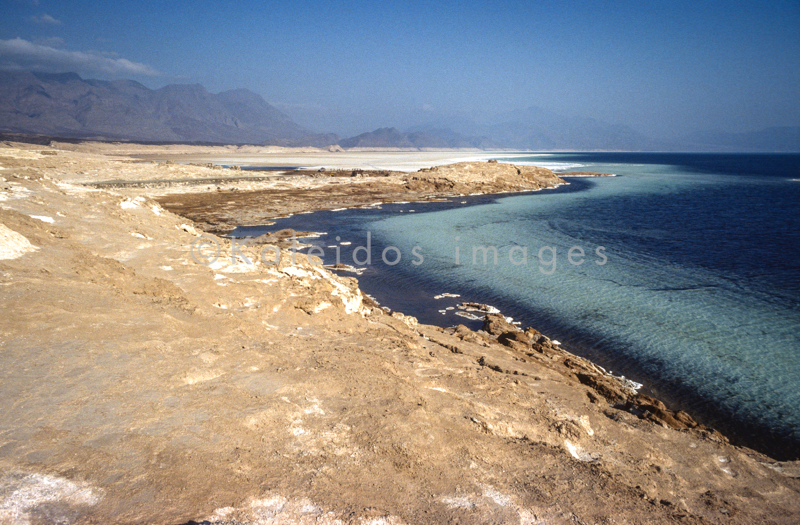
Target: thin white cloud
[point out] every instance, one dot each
(18, 53)
(50, 41)
(44, 19)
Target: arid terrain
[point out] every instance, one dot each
(140, 385)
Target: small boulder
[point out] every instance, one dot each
(497, 325)
(519, 337)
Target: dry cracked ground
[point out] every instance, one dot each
(138, 386)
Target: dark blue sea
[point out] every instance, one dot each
(681, 273)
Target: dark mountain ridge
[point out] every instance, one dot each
(65, 105)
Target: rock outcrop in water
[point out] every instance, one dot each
(482, 177)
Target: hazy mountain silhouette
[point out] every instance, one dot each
(770, 140)
(538, 129)
(535, 128)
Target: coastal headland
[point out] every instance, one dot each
(141, 386)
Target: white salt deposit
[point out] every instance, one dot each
(13, 245)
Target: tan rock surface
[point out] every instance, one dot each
(138, 386)
(317, 190)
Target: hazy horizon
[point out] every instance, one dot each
(665, 71)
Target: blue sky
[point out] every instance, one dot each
(664, 68)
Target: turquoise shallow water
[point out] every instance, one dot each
(697, 296)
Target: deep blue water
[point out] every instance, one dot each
(698, 297)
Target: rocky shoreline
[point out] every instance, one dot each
(143, 383)
(313, 190)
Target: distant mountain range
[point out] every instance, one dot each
(65, 105)
(68, 106)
